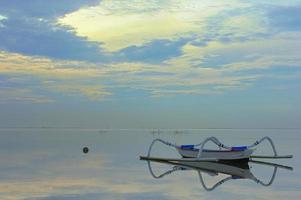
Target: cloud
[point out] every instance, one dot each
(154, 52)
(71, 77)
(118, 25)
(2, 18)
(193, 72)
(93, 92)
(244, 26)
(104, 31)
(35, 36)
(282, 50)
(30, 29)
(50, 75)
(119, 31)
(37, 8)
(11, 94)
(42, 66)
(170, 48)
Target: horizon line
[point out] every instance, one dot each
(150, 129)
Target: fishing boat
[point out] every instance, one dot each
(232, 161)
(197, 152)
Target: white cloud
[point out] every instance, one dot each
(93, 92)
(188, 73)
(2, 18)
(70, 77)
(10, 94)
(120, 24)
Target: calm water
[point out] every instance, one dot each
(50, 165)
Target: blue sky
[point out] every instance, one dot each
(137, 64)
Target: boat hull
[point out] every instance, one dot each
(220, 155)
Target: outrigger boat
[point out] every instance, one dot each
(197, 152)
(232, 161)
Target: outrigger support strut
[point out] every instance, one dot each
(162, 141)
(261, 140)
(215, 141)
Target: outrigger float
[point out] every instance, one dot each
(232, 161)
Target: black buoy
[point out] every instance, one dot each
(85, 150)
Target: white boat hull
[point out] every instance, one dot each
(220, 155)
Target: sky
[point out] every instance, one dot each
(150, 64)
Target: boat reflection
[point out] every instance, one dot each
(234, 169)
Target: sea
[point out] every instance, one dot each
(50, 164)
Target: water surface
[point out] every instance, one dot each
(48, 164)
